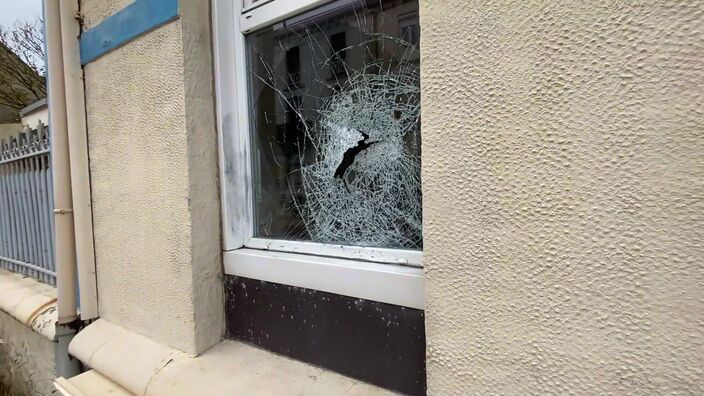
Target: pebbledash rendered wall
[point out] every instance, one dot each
(153, 164)
(563, 187)
(562, 182)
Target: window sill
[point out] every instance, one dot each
(387, 283)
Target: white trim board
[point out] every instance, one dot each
(381, 255)
(391, 284)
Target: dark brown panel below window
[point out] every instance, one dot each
(379, 343)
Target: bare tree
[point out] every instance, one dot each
(22, 68)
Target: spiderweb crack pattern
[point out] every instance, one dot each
(377, 200)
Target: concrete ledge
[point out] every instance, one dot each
(234, 368)
(30, 302)
(89, 383)
(127, 358)
(144, 367)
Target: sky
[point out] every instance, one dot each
(22, 10)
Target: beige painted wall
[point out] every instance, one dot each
(94, 11)
(153, 163)
(563, 184)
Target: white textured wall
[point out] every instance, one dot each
(563, 183)
(153, 162)
(32, 120)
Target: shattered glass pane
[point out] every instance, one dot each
(335, 112)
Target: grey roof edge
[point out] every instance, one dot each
(38, 105)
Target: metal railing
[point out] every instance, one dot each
(26, 205)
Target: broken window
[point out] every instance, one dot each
(335, 119)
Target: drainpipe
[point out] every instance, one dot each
(78, 149)
(65, 253)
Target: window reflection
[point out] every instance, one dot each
(336, 124)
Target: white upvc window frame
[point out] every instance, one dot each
(393, 276)
(248, 5)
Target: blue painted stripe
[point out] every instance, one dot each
(126, 25)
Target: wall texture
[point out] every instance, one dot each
(153, 162)
(563, 183)
(94, 11)
(26, 360)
